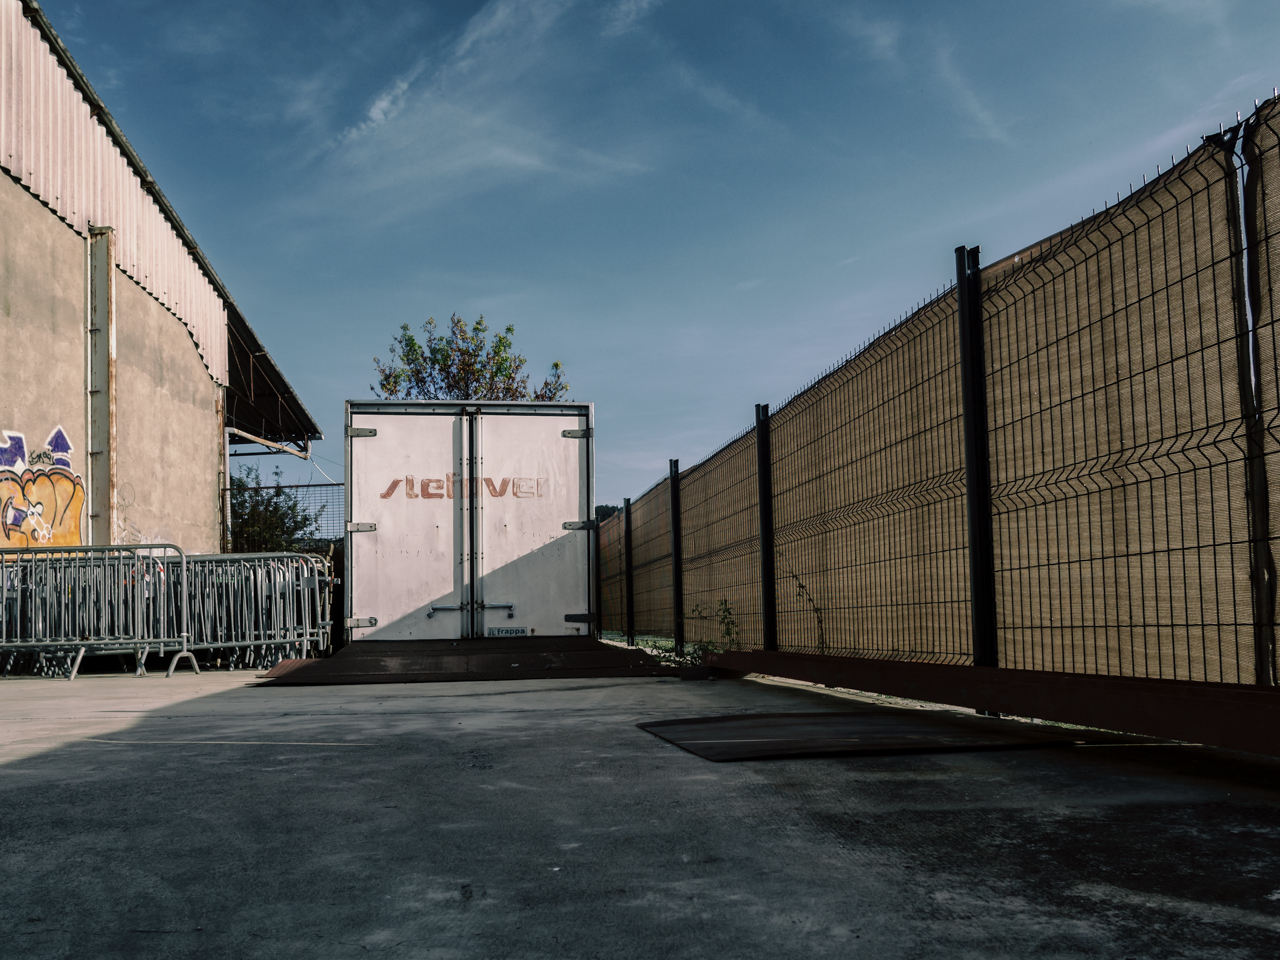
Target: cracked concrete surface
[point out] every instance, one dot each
(208, 817)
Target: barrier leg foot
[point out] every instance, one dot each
(142, 661)
(75, 666)
(173, 664)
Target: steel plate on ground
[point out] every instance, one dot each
(872, 730)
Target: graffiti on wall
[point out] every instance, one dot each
(41, 496)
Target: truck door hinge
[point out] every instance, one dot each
(576, 434)
(579, 525)
(361, 527)
(579, 617)
(361, 621)
(362, 431)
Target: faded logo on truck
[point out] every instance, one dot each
(453, 485)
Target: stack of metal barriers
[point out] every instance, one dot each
(61, 603)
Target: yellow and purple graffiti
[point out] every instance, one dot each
(41, 497)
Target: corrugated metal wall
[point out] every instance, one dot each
(51, 143)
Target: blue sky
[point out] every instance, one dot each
(696, 206)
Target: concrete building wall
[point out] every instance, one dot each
(42, 383)
(168, 453)
(168, 428)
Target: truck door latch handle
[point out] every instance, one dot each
(444, 606)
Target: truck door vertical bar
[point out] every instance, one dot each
(677, 560)
(977, 458)
(468, 492)
(347, 491)
(596, 597)
(628, 574)
(768, 576)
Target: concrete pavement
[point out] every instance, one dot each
(207, 817)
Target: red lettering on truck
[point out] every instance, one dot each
(454, 484)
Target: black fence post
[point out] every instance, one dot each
(1262, 565)
(768, 575)
(977, 458)
(677, 560)
(628, 577)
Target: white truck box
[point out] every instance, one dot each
(469, 519)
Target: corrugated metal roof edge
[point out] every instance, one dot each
(33, 12)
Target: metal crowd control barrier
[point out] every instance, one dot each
(243, 600)
(107, 599)
(69, 601)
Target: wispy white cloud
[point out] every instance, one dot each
(389, 102)
(984, 121)
(719, 98)
(474, 118)
(1211, 12)
(626, 15)
(488, 110)
(1207, 18)
(880, 37)
(206, 38)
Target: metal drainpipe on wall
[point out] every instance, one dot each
(86, 528)
(101, 439)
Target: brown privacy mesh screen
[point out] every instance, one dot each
(651, 561)
(1117, 440)
(1262, 221)
(719, 510)
(1122, 378)
(613, 613)
(869, 506)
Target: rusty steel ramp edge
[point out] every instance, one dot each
(440, 661)
(872, 731)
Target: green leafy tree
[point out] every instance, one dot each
(269, 519)
(462, 364)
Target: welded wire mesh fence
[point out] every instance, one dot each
(651, 561)
(1132, 391)
(613, 615)
(1262, 224)
(283, 517)
(869, 501)
(1117, 438)
(722, 548)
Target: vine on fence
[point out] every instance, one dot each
(802, 593)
